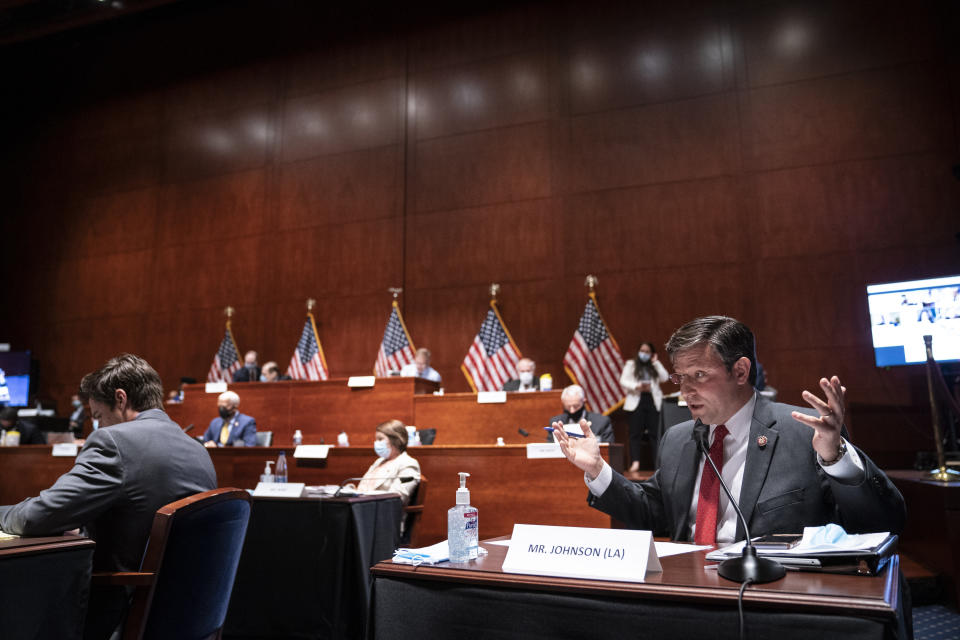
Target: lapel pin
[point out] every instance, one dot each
(762, 441)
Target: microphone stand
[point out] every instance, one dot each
(749, 567)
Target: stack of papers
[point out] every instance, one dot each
(818, 544)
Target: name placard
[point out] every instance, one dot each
(538, 450)
(65, 450)
(581, 552)
(491, 397)
(215, 387)
(279, 489)
(312, 451)
(361, 382)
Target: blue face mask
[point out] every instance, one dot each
(381, 448)
(644, 356)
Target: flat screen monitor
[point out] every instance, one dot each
(901, 313)
(14, 378)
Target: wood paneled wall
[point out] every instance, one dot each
(765, 160)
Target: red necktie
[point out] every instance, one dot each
(708, 504)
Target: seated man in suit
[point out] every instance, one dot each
(527, 380)
(250, 371)
(138, 461)
(231, 428)
(78, 416)
(574, 411)
(29, 434)
(420, 367)
(789, 467)
(271, 373)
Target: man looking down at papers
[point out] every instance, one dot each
(789, 467)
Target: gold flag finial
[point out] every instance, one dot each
(229, 312)
(591, 282)
(311, 303)
(494, 290)
(396, 291)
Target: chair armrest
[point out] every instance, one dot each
(123, 578)
(413, 508)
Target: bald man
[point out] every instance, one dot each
(231, 428)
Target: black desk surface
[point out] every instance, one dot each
(304, 571)
(44, 586)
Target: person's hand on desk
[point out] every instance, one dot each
(583, 452)
(827, 426)
(210, 444)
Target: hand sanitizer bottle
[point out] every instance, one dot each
(462, 521)
(267, 475)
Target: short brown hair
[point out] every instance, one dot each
(396, 433)
(131, 373)
(731, 338)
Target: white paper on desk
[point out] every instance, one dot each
(665, 549)
(825, 540)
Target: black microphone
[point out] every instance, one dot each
(189, 427)
(749, 567)
(394, 477)
(523, 432)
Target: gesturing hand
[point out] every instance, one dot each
(826, 426)
(583, 452)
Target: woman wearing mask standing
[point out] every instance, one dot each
(641, 380)
(393, 464)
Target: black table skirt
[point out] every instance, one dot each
(304, 571)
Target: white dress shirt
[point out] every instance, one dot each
(848, 468)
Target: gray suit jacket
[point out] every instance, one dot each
(783, 488)
(123, 474)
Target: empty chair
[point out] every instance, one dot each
(264, 438)
(184, 585)
(412, 514)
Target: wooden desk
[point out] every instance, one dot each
(459, 419)
(319, 409)
(932, 534)
(684, 601)
(42, 575)
(504, 485)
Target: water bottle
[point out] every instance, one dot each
(297, 438)
(280, 470)
(462, 526)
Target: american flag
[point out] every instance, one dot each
(594, 362)
(396, 349)
(226, 361)
(308, 362)
(492, 358)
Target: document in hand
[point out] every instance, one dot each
(829, 549)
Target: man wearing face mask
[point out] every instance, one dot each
(231, 428)
(250, 371)
(78, 417)
(574, 411)
(527, 380)
(139, 461)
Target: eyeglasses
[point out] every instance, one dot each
(699, 376)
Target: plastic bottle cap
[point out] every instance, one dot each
(463, 494)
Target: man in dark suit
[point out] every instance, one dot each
(574, 411)
(527, 377)
(29, 433)
(231, 428)
(250, 371)
(138, 461)
(789, 467)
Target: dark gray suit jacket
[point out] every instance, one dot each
(123, 474)
(514, 384)
(783, 488)
(599, 424)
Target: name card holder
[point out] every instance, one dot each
(491, 397)
(581, 552)
(540, 450)
(65, 450)
(279, 489)
(312, 451)
(215, 387)
(361, 382)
